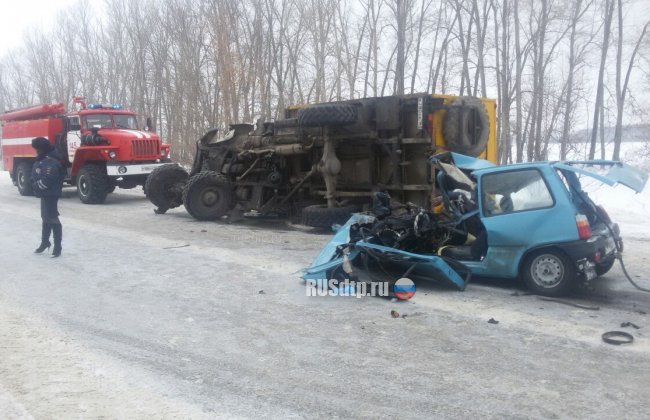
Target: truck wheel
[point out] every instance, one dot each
(604, 267)
(164, 186)
(92, 184)
(548, 273)
(466, 126)
(324, 217)
(24, 178)
(327, 114)
(208, 196)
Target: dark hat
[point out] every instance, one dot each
(41, 143)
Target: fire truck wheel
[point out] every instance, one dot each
(327, 114)
(208, 196)
(24, 178)
(466, 127)
(92, 184)
(324, 217)
(164, 186)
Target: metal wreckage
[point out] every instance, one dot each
(531, 221)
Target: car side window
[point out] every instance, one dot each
(514, 191)
(73, 124)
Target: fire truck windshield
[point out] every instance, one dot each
(125, 121)
(110, 121)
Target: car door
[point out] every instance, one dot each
(522, 208)
(618, 173)
(73, 136)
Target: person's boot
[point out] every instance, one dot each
(45, 238)
(58, 237)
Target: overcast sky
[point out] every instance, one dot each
(16, 16)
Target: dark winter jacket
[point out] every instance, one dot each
(48, 175)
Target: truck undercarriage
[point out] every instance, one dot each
(324, 161)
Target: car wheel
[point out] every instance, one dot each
(24, 178)
(548, 273)
(604, 267)
(92, 184)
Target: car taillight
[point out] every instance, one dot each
(584, 230)
(604, 214)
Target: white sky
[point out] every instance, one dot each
(17, 16)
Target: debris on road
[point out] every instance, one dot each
(630, 324)
(177, 246)
(576, 305)
(390, 244)
(492, 321)
(394, 313)
(617, 338)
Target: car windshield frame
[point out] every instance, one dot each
(108, 121)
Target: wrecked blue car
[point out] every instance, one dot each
(530, 221)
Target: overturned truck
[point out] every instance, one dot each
(325, 161)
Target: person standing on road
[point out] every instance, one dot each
(48, 174)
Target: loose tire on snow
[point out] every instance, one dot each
(466, 126)
(92, 184)
(24, 179)
(208, 196)
(322, 216)
(548, 273)
(327, 115)
(164, 186)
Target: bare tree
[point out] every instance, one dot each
(576, 54)
(600, 86)
(622, 85)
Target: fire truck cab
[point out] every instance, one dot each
(101, 145)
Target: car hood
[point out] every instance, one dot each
(619, 172)
(125, 134)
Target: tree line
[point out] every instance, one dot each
(197, 64)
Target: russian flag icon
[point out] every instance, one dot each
(404, 288)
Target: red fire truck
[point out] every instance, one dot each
(101, 145)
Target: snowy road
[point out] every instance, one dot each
(132, 323)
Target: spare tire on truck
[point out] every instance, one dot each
(466, 126)
(327, 115)
(164, 186)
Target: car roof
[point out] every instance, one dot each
(505, 168)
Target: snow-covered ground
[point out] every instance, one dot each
(148, 316)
